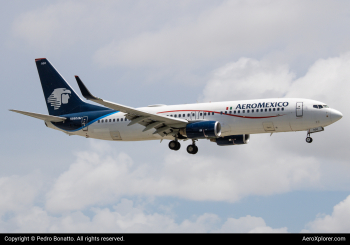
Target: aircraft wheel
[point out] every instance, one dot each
(192, 149)
(174, 145)
(308, 139)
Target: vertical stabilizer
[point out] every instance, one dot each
(59, 96)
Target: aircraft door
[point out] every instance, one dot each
(299, 109)
(84, 122)
(200, 114)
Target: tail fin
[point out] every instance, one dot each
(59, 95)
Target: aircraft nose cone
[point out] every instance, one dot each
(336, 115)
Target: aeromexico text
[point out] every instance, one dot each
(262, 105)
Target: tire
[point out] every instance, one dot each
(192, 149)
(308, 139)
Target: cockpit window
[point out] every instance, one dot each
(320, 106)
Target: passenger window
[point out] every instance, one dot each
(184, 115)
(269, 109)
(239, 111)
(247, 111)
(113, 119)
(225, 112)
(121, 119)
(213, 113)
(261, 110)
(274, 109)
(205, 113)
(234, 112)
(230, 112)
(188, 114)
(110, 120)
(175, 115)
(98, 121)
(282, 109)
(117, 119)
(265, 110)
(253, 111)
(221, 113)
(278, 109)
(201, 114)
(179, 115)
(243, 111)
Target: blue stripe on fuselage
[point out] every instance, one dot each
(74, 120)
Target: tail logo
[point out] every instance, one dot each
(58, 97)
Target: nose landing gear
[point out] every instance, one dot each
(308, 138)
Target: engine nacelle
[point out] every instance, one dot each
(233, 140)
(202, 130)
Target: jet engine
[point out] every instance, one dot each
(202, 130)
(232, 140)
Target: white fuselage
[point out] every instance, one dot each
(235, 117)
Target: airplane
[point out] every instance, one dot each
(225, 123)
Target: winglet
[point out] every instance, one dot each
(84, 91)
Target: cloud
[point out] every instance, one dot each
(230, 29)
(249, 224)
(128, 217)
(17, 192)
(100, 178)
(248, 79)
(337, 222)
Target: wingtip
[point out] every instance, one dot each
(83, 89)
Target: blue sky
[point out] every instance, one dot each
(139, 53)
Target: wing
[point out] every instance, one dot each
(164, 125)
(42, 116)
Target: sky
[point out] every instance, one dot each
(140, 53)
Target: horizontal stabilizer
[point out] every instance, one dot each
(42, 116)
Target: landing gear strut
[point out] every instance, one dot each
(174, 145)
(192, 149)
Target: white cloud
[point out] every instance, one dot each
(248, 79)
(249, 224)
(17, 192)
(230, 29)
(337, 222)
(99, 178)
(127, 217)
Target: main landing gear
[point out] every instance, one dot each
(175, 145)
(192, 149)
